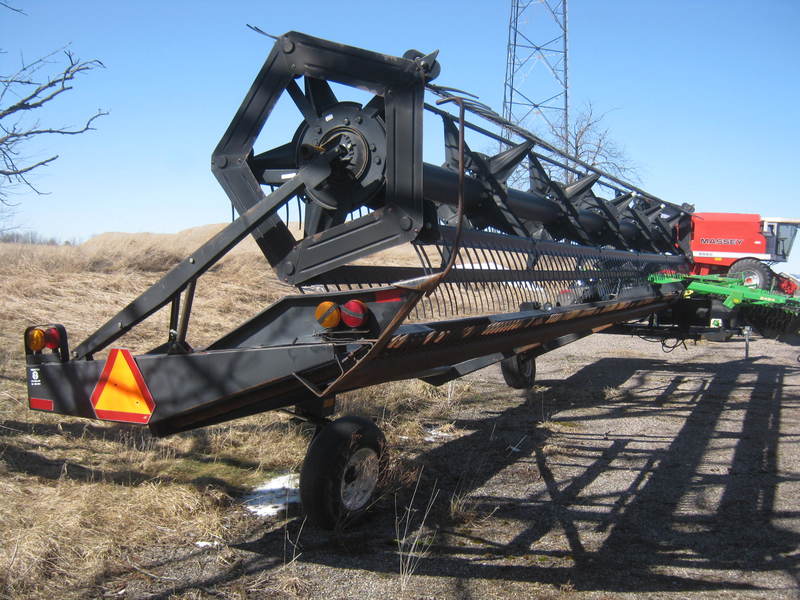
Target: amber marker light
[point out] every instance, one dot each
(328, 314)
(36, 340)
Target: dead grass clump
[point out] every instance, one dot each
(413, 536)
(404, 432)
(400, 408)
(448, 398)
(400, 473)
(465, 509)
(390, 402)
(385, 402)
(272, 441)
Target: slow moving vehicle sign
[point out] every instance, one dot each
(121, 393)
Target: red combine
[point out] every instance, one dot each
(743, 245)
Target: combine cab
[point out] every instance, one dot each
(499, 274)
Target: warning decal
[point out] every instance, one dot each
(121, 393)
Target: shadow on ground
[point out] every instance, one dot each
(24, 459)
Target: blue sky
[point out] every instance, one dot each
(703, 96)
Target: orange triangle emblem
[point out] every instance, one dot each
(121, 393)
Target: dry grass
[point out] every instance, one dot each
(60, 536)
(84, 502)
(83, 499)
(413, 537)
(402, 408)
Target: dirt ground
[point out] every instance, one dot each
(625, 472)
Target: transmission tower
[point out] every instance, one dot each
(536, 91)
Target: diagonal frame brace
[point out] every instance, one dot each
(180, 276)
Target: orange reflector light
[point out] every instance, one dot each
(328, 314)
(121, 393)
(354, 313)
(36, 340)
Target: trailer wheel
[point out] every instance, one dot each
(341, 471)
(519, 371)
(753, 271)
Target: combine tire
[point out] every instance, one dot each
(341, 471)
(519, 371)
(754, 273)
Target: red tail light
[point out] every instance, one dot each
(354, 313)
(52, 338)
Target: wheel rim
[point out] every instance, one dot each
(525, 368)
(360, 478)
(751, 278)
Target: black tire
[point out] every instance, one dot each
(519, 371)
(753, 271)
(341, 472)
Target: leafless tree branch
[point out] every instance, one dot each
(12, 8)
(17, 171)
(22, 93)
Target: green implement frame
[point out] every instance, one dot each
(731, 290)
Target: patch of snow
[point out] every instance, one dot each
(274, 496)
(206, 544)
(435, 434)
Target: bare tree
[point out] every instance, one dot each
(30, 87)
(589, 140)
